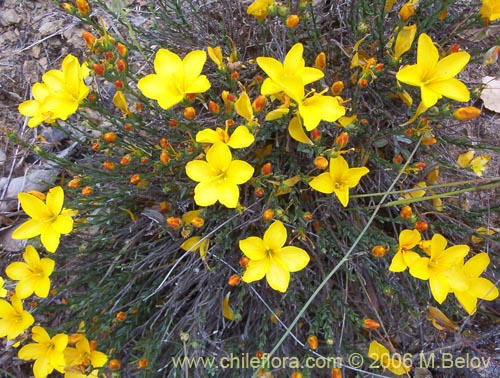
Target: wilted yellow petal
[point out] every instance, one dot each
(464, 159)
(227, 311)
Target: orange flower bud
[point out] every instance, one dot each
(142, 363)
(235, 75)
(229, 123)
(337, 87)
(114, 364)
(259, 192)
(144, 160)
(87, 191)
(364, 122)
(336, 373)
(118, 84)
(83, 7)
(121, 316)
(174, 222)
(320, 62)
(421, 226)
(268, 215)
(398, 159)
(190, 96)
(342, 139)
(321, 162)
(127, 127)
(259, 79)
(370, 324)
(164, 157)
(189, 113)
(75, 183)
(379, 67)
(244, 261)
(308, 216)
(406, 11)
(259, 354)
(213, 107)
(312, 341)
(198, 222)
(259, 103)
(315, 134)
(98, 69)
(120, 65)
(467, 113)
(363, 83)
(267, 169)
(67, 7)
(296, 374)
(92, 345)
(89, 39)
(75, 338)
(454, 48)
(139, 106)
(406, 212)
(122, 49)
(109, 137)
(125, 160)
(173, 123)
(292, 21)
(233, 280)
(108, 55)
(108, 165)
(409, 132)
(420, 165)
(135, 179)
(429, 141)
(379, 251)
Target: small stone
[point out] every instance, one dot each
(9, 17)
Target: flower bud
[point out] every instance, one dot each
(406, 11)
(197, 222)
(321, 162)
(244, 261)
(109, 137)
(164, 157)
(296, 374)
(87, 191)
(315, 134)
(118, 84)
(370, 324)
(379, 251)
(164, 143)
(121, 316)
(89, 39)
(121, 65)
(114, 364)
(267, 169)
(320, 61)
(312, 341)
(83, 7)
(125, 160)
(174, 222)
(122, 49)
(98, 69)
(74, 183)
(406, 212)
(292, 21)
(259, 192)
(467, 113)
(336, 373)
(259, 103)
(189, 113)
(233, 280)
(268, 215)
(213, 107)
(342, 139)
(135, 179)
(108, 165)
(421, 226)
(337, 88)
(142, 363)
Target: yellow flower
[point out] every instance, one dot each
(416, 193)
(477, 164)
(258, 9)
(48, 219)
(47, 352)
(33, 275)
(318, 107)
(378, 352)
(405, 257)
(435, 77)
(174, 78)
(82, 353)
(269, 258)
(442, 268)
(197, 242)
(339, 179)
(240, 138)
(490, 9)
(14, 320)
(59, 95)
(467, 113)
(483, 231)
(478, 287)
(289, 77)
(3, 292)
(218, 177)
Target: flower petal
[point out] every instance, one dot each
(243, 106)
(468, 301)
(50, 239)
(205, 193)
(275, 236)
(55, 200)
(353, 176)
(398, 263)
(410, 75)
(33, 206)
(293, 258)
(475, 266)
(451, 88)
(439, 287)
(253, 248)
(29, 229)
(342, 194)
(483, 288)
(451, 65)
(239, 172)
(228, 194)
(98, 359)
(200, 171)
(429, 96)
(17, 270)
(420, 268)
(296, 130)
(427, 55)
(294, 63)
(208, 136)
(241, 138)
(323, 183)
(256, 270)
(63, 224)
(278, 276)
(168, 66)
(193, 64)
(338, 168)
(219, 157)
